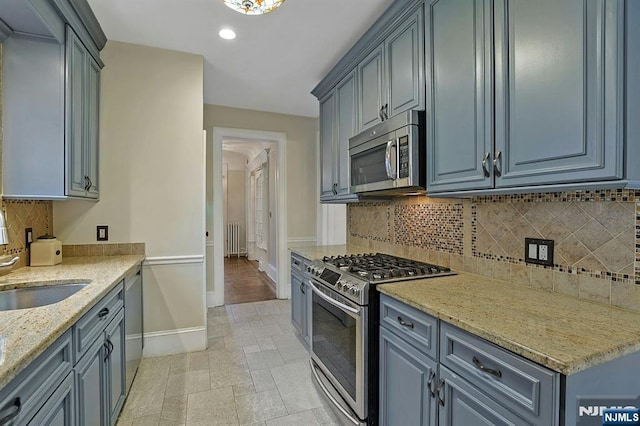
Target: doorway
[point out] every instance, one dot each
(276, 263)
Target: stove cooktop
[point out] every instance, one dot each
(351, 275)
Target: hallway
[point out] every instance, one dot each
(244, 283)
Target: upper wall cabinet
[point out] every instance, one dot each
(391, 77)
(381, 76)
(51, 81)
(337, 125)
(525, 93)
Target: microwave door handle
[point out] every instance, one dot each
(391, 163)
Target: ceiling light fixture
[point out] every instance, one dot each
(253, 7)
(227, 34)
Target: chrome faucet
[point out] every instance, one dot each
(4, 240)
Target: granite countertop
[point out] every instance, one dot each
(26, 333)
(560, 332)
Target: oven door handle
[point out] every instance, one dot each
(342, 306)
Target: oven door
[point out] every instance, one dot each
(339, 339)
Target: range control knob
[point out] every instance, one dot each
(354, 290)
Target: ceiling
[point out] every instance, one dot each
(274, 62)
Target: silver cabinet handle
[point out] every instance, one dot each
(440, 392)
(10, 413)
(480, 366)
(404, 323)
(484, 164)
(302, 288)
(386, 111)
(496, 170)
(432, 376)
(390, 162)
(381, 114)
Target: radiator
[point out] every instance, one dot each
(233, 239)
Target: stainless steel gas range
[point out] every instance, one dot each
(344, 326)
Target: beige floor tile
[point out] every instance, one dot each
(264, 359)
(187, 383)
(259, 407)
(212, 407)
(174, 409)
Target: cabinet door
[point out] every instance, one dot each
(404, 54)
(405, 377)
(59, 410)
(91, 385)
(464, 405)
(115, 338)
(459, 94)
(559, 91)
(346, 128)
(327, 150)
(297, 302)
(75, 115)
(371, 90)
(92, 101)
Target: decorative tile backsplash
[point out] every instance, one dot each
(22, 214)
(596, 234)
(104, 249)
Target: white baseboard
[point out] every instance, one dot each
(160, 343)
(272, 273)
(211, 299)
(302, 241)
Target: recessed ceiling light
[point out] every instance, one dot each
(227, 34)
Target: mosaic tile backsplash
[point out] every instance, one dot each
(596, 234)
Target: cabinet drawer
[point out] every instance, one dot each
(92, 324)
(34, 385)
(419, 328)
(298, 263)
(518, 384)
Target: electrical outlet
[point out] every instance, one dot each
(28, 237)
(102, 233)
(538, 251)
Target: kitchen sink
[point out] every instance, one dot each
(31, 297)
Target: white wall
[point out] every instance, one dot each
(152, 180)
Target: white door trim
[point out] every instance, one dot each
(221, 134)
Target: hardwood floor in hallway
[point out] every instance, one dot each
(244, 283)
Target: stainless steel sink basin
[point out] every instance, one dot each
(31, 297)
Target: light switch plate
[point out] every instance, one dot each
(538, 251)
(102, 233)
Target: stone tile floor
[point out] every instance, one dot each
(255, 372)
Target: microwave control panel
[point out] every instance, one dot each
(403, 157)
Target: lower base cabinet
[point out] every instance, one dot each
(66, 386)
(406, 381)
(300, 297)
(59, 410)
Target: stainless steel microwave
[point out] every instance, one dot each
(390, 158)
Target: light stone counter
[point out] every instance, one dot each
(28, 332)
(560, 332)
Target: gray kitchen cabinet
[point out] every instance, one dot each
(525, 95)
(59, 410)
(101, 384)
(337, 125)
(83, 86)
(391, 78)
(53, 62)
(27, 394)
(407, 376)
(90, 386)
(300, 296)
(371, 89)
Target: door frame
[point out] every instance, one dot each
(221, 134)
